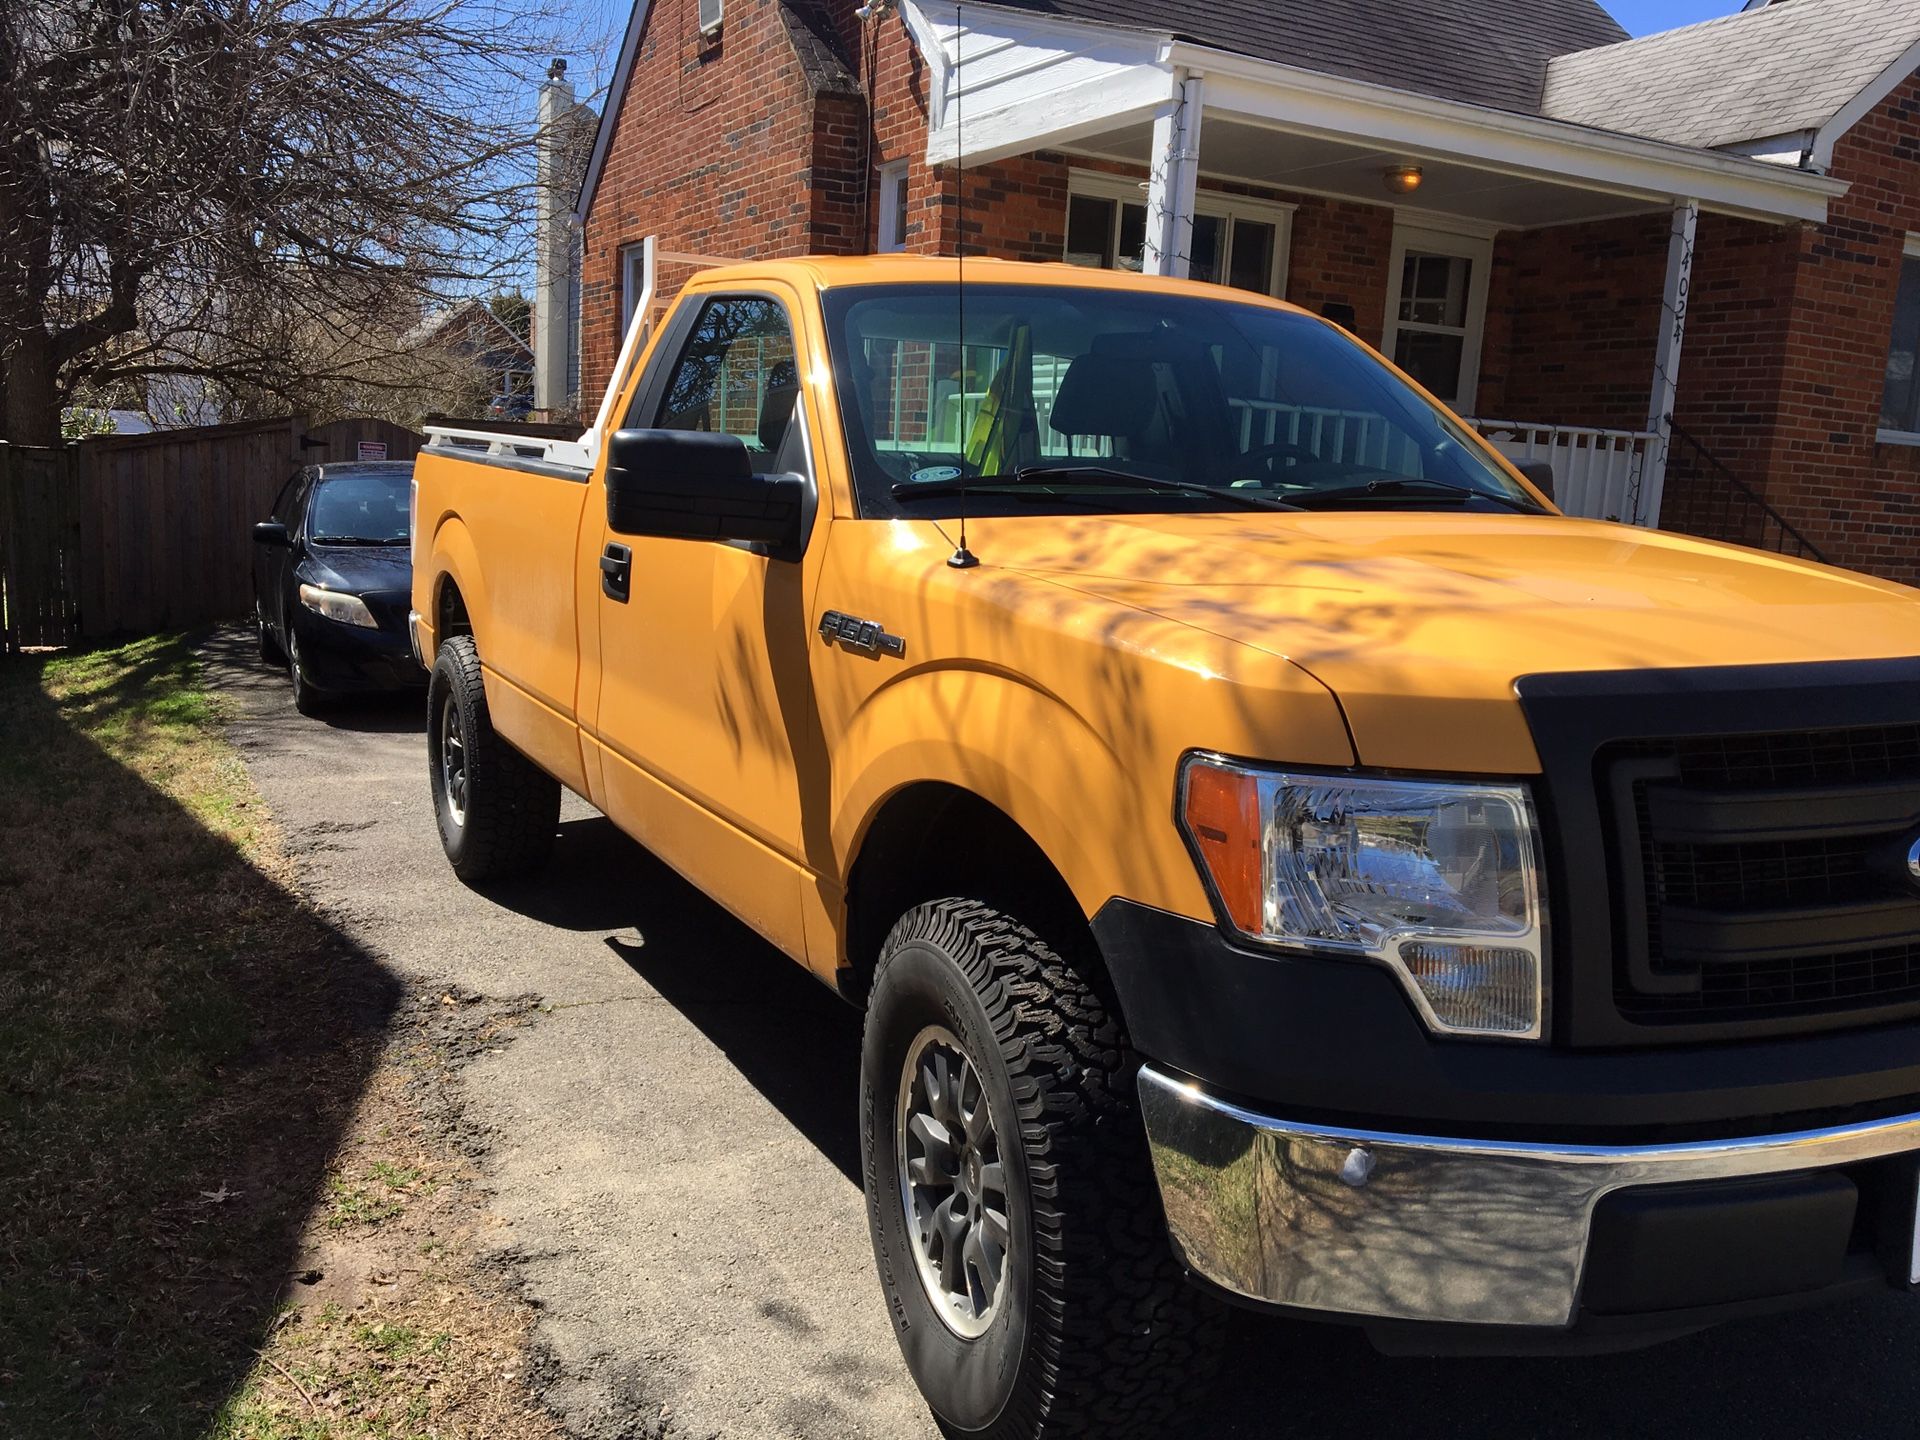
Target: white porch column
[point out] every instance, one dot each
(1176, 166)
(1666, 358)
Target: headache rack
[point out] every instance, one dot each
(578, 453)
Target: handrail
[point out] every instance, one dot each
(1724, 514)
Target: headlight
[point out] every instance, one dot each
(334, 605)
(1435, 879)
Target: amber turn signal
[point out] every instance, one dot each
(1223, 817)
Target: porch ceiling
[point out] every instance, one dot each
(1257, 155)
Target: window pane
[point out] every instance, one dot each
(1900, 407)
(900, 209)
(1433, 290)
(736, 376)
(1251, 266)
(1090, 231)
(1203, 262)
(1433, 360)
(1132, 249)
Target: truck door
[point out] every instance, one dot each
(704, 692)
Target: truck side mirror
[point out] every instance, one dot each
(1540, 472)
(271, 532)
(696, 485)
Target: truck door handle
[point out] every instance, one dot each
(616, 573)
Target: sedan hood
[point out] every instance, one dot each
(1420, 622)
(361, 569)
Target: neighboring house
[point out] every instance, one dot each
(561, 150)
(1687, 266)
(471, 335)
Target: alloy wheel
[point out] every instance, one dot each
(453, 761)
(952, 1182)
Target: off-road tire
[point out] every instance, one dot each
(512, 807)
(1098, 1334)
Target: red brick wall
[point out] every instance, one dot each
(1572, 316)
(1859, 500)
(721, 149)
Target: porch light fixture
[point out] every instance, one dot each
(1404, 179)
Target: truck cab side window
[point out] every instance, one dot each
(736, 376)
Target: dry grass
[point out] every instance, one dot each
(225, 1209)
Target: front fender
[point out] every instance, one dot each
(1035, 758)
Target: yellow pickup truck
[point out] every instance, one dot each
(1280, 857)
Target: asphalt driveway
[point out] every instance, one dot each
(673, 1150)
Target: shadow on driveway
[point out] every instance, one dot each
(1851, 1371)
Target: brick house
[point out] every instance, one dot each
(1686, 268)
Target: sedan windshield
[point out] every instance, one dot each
(1069, 399)
(361, 507)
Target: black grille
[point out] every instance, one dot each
(1795, 758)
(1771, 870)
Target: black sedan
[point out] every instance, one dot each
(332, 576)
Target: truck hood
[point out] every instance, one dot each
(1420, 623)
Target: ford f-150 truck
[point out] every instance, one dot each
(1280, 857)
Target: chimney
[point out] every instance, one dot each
(553, 241)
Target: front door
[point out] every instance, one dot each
(704, 696)
(1437, 311)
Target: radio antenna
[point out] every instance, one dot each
(962, 558)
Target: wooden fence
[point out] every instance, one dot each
(130, 534)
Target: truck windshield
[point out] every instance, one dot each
(361, 507)
(1060, 394)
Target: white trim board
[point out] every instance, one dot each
(610, 111)
(1828, 138)
(1044, 83)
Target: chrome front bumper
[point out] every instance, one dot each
(1408, 1227)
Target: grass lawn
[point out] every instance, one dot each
(223, 1211)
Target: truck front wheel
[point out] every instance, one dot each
(496, 809)
(1019, 1236)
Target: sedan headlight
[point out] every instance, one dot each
(1436, 879)
(337, 605)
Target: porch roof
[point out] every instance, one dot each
(1011, 81)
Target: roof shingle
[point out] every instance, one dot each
(1482, 52)
(1785, 68)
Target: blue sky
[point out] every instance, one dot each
(1643, 17)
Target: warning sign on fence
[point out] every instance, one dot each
(372, 450)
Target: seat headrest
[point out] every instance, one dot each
(1112, 395)
(776, 404)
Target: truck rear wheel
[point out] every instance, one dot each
(496, 809)
(1017, 1229)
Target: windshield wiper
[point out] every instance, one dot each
(1098, 476)
(361, 540)
(1405, 485)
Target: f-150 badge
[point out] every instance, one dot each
(864, 636)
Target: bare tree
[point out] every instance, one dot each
(258, 196)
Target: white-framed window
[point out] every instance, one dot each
(633, 280)
(1437, 310)
(1238, 242)
(1900, 400)
(713, 14)
(893, 207)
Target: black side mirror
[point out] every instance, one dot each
(1540, 472)
(695, 485)
(271, 532)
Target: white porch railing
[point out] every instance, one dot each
(1599, 474)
